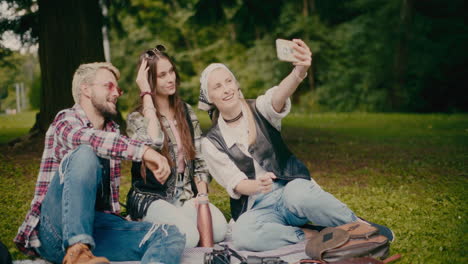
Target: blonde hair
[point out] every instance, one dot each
(86, 74)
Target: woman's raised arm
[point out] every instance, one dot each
(289, 84)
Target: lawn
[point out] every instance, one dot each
(407, 171)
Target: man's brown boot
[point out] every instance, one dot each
(80, 253)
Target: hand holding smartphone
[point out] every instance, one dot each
(285, 50)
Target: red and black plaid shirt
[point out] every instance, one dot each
(70, 129)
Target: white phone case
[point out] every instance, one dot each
(285, 51)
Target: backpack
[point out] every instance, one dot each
(351, 240)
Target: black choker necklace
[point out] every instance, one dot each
(234, 119)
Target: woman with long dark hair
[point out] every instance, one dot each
(170, 126)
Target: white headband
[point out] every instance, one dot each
(204, 102)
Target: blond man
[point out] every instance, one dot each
(75, 209)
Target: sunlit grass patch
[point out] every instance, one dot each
(12, 126)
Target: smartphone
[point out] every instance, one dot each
(285, 50)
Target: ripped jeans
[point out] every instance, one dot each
(68, 216)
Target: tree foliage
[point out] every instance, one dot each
(68, 33)
(368, 55)
(15, 68)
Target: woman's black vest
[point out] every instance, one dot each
(144, 192)
(269, 150)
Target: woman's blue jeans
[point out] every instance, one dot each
(68, 217)
(275, 218)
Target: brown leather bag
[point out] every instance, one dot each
(363, 260)
(352, 240)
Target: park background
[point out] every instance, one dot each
(380, 120)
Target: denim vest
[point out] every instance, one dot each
(269, 150)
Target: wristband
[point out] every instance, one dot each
(297, 75)
(202, 195)
(145, 93)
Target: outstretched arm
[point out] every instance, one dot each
(289, 84)
(71, 133)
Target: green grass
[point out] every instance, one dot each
(407, 171)
(11, 126)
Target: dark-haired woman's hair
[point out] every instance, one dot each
(174, 102)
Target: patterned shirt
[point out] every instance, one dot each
(70, 129)
(137, 128)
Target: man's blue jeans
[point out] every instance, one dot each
(275, 218)
(68, 217)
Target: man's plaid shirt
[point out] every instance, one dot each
(70, 129)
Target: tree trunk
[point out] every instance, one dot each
(69, 35)
(401, 55)
(311, 78)
(305, 8)
(308, 7)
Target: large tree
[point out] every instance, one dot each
(68, 33)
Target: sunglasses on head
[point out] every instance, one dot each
(149, 54)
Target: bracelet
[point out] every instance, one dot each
(145, 93)
(297, 75)
(202, 195)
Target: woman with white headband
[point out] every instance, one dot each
(272, 194)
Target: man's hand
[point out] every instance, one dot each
(158, 164)
(266, 182)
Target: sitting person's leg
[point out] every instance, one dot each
(306, 199)
(122, 240)
(218, 219)
(162, 212)
(303, 198)
(5, 256)
(299, 201)
(67, 212)
(264, 229)
(70, 226)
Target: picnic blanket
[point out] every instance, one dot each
(290, 254)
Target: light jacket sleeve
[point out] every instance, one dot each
(265, 107)
(200, 171)
(70, 133)
(137, 128)
(222, 168)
